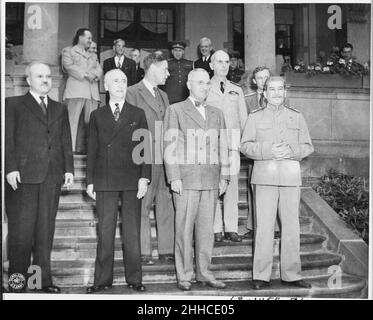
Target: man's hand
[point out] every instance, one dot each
(90, 191)
(69, 180)
(223, 184)
(177, 186)
(281, 151)
(89, 76)
(142, 188)
(12, 178)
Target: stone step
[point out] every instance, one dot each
(350, 287)
(80, 272)
(85, 248)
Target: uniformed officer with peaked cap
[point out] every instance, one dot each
(179, 68)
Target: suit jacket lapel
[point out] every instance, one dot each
(149, 98)
(34, 107)
(52, 111)
(123, 119)
(193, 113)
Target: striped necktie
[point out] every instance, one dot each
(43, 105)
(116, 112)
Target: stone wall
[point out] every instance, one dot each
(339, 124)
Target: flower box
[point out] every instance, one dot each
(323, 80)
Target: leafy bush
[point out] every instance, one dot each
(349, 197)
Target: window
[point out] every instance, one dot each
(146, 26)
(238, 29)
(14, 13)
(284, 41)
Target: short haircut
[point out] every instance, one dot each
(79, 32)
(31, 64)
(119, 40)
(205, 39)
(273, 79)
(258, 69)
(110, 72)
(153, 58)
(348, 45)
(216, 52)
(197, 70)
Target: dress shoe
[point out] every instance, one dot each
(166, 257)
(248, 235)
(51, 289)
(137, 287)
(260, 284)
(218, 237)
(277, 234)
(145, 259)
(297, 283)
(214, 284)
(184, 285)
(232, 236)
(97, 289)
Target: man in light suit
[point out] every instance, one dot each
(254, 101)
(113, 173)
(277, 138)
(198, 171)
(84, 72)
(229, 98)
(38, 158)
(147, 96)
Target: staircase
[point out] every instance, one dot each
(74, 253)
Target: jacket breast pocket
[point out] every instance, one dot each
(292, 130)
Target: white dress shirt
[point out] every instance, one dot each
(200, 109)
(149, 86)
(120, 60)
(113, 106)
(37, 98)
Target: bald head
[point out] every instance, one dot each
(220, 63)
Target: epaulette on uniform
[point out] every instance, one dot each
(291, 108)
(256, 110)
(236, 84)
(250, 94)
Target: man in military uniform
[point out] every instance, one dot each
(205, 47)
(179, 68)
(229, 98)
(277, 138)
(254, 101)
(235, 73)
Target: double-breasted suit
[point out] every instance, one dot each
(80, 93)
(37, 145)
(140, 96)
(232, 104)
(199, 158)
(114, 174)
(277, 185)
(204, 63)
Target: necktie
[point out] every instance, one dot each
(222, 86)
(261, 99)
(43, 105)
(116, 112)
(197, 103)
(119, 64)
(158, 98)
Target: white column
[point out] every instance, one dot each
(260, 42)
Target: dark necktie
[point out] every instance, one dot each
(158, 98)
(116, 112)
(43, 105)
(261, 99)
(119, 66)
(222, 86)
(197, 103)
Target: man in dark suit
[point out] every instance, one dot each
(38, 158)
(116, 172)
(120, 61)
(205, 47)
(147, 96)
(135, 56)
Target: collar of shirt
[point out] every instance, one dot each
(37, 98)
(204, 58)
(202, 111)
(216, 82)
(149, 86)
(274, 108)
(121, 59)
(113, 106)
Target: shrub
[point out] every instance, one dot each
(349, 197)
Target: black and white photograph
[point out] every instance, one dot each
(186, 150)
